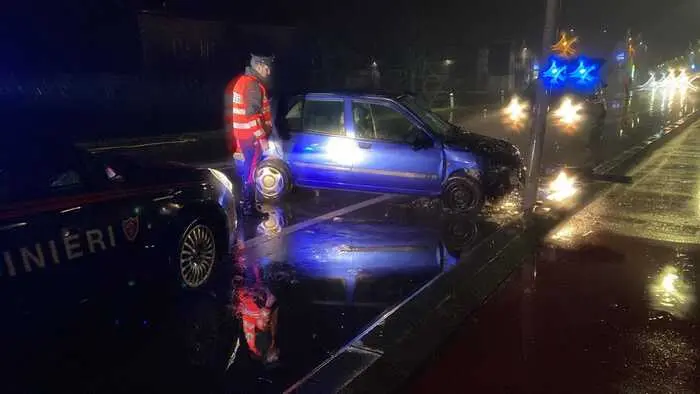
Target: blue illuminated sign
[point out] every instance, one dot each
(620, 57)
(580, 74)
(555, 74)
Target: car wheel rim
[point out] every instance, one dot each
(269, 181)
(461, 198)
(197, 255)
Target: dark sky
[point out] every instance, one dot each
(668, 25)
(375, 25)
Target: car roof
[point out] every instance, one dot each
(355, 94)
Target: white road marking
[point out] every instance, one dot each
(259, 240)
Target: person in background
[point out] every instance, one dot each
(597, 109)
(249, 123)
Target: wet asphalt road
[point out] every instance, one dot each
(325, 281)
(323, 267)
(607, 305)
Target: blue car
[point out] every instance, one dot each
(385, 144)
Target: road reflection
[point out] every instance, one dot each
(299, 296)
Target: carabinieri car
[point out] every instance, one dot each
(73, 225)
(387, 144)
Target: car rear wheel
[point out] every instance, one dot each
(197, 254)
(463, 194)
(272, 180)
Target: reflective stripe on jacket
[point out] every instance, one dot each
(248, 113)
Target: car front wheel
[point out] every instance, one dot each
(196, 254)
(463, 194)
(272, 180)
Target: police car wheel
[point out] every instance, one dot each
(197, 254)
(272, 181)
(463, 194)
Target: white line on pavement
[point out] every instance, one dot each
(259, 240)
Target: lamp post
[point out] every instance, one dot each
(540, 110)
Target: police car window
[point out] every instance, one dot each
(65, 179)
(324, 117)
(391, 125)
(24, 183)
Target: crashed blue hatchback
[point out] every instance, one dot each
(385, 144)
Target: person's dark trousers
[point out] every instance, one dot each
(252, 154)
(595, 138)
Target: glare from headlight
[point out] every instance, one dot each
(562, 188)
(568, 112)
(516, 112)
(221, 177)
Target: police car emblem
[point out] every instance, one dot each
(130, 226)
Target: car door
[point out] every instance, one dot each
(319, 152)
(114, 227)
(42, 251)
(396, 154)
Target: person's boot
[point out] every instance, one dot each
(250, 210)
(249, 207)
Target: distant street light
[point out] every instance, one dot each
(448, 62)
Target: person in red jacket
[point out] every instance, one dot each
(249, 123)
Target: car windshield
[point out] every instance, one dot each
(439, 126)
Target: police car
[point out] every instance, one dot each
(73, 225)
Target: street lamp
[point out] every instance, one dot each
(448, 62)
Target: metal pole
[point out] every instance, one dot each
(540, 111)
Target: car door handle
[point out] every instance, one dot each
(364, 145)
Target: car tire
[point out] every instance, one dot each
(197, 254)
(463, 194)
(272, 180)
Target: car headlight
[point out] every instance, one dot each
(568, 114)
(222, 178)
(562, 188)
(516, 111)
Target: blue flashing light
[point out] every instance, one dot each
(555, 75)
(583, 74)
(580, 74)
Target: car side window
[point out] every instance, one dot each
(65, 179)
(391, 125)
(324, 116)
(293, 117)
(362, 119)
(22, 184)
